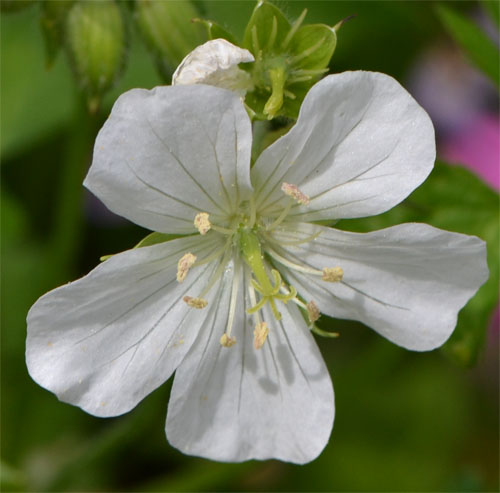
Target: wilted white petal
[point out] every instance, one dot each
(407, 282)
(107, 340)
(238, 403)
(215, 63)
(361, 145)
(167, 154)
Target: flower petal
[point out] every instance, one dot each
(360, 146)
(107, 340)
(239, 403)
(167, 154)
(407, 282)
(215, 63)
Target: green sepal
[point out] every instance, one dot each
(168, 31)
(306, 38)
(289, 59)
(149, 240)
(52, 19)
(266, 30)
(216, 31)
(95, 36)
(155, 238)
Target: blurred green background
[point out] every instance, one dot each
(404, 421)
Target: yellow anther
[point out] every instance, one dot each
(260, 335)
(202, 223)
(294, 192)
(332, 274)
(313, 311)
(183, 266)
(198, 303)
(227, 341)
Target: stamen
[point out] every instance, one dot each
(281, 217)
(198, 303)
(332, 274)
(202, 223)
(294, 192)
(183, 266)
(227, 341)
(292, 265)
(260, 335)
(313, 311)
(232, 308)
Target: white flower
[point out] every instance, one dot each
(219, 305)
(215, 63)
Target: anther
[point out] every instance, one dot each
(313, 311)
(332, 274)
(294, 192)
(260, 335)
(198, 303)
(227, 341)
(183, 266)
(202, 223)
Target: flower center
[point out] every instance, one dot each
(247, 240)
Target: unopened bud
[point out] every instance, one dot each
(52, 20)
(168, 31)
(95, 37)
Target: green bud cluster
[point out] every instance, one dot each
(289, 59)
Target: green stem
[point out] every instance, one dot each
(68, 220)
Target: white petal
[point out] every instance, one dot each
(167, 154)
(215, 63)
(360, 146)
(407, 282)
(238, 403)
(107, 340)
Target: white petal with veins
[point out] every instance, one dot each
(107, 340)
(165, 155)
(407, 282)
(239, 403)
(361, 144)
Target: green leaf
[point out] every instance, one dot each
(266, 29)
(454, 199)
(215, 31)
(476, 44)
(493, 9)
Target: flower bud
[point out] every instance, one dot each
(168, 31)
(95, 39)
(289, 59)
(52, 20)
